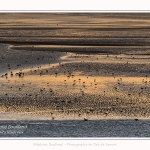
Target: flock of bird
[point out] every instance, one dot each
(83, 87)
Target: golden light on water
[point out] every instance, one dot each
(110, 94)
(75, 65)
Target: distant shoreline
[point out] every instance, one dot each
(86, 49)
(72, 41)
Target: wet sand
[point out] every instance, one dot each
(70, 74)
(79, 86)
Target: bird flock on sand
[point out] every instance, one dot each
(84, 85)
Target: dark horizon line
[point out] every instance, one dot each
(83, 28)
(15, 43)
(80, 37)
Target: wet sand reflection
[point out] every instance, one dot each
(76, 94)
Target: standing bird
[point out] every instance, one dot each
(85, 119)
(11, 74)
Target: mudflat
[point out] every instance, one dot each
(76, 67)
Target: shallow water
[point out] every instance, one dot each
(76, 128)
(81, 86)
(75, 67)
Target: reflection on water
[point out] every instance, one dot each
(75, 89)
(105, 75)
